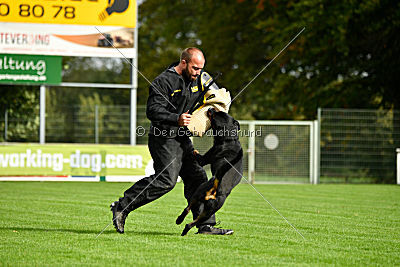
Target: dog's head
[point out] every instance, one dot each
(223, 124)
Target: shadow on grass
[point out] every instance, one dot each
(39, 229)
(79, 231)
(154, 233)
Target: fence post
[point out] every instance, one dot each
(42, 115)
(5, 125)
(96, 124)
(251, 152)
(312, 151)
(398, 165)
(134, 81)
(316, 147)
(319, 121)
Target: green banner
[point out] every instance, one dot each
(30, 69)
(73, 160)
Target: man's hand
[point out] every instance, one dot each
(184, 119)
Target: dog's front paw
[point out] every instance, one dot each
(200, 159)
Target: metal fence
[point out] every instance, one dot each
(73, 124)
(358, 145)
(97, 124)
(274, 151)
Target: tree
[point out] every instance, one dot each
(21, 105)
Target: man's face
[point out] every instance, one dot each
(194, 67)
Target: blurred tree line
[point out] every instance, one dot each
(347, 57)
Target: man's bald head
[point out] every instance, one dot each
(191, 52)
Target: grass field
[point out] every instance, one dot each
(51, 223)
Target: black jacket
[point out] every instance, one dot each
(170, 96)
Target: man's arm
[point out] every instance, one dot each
(159, 105)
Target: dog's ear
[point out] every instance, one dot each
(236, 123)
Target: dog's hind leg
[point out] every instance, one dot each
(186, 230)
(185, 212)
(191, 225)
(210, 185)
(209, 209)
(181, 217)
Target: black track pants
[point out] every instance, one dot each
(172, 157)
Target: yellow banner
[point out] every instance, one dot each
(77, 12)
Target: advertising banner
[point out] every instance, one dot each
(66, 40)
(30, 69)
(60, 160)
(72, 12)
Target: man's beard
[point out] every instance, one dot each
(187, 76)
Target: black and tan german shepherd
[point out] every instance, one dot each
(226, 159)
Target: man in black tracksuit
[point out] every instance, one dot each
(171, 95)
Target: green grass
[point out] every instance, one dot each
(51, 223)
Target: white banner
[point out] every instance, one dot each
(66, 40)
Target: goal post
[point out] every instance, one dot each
(276, 151)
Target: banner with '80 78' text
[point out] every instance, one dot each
(72, 12)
